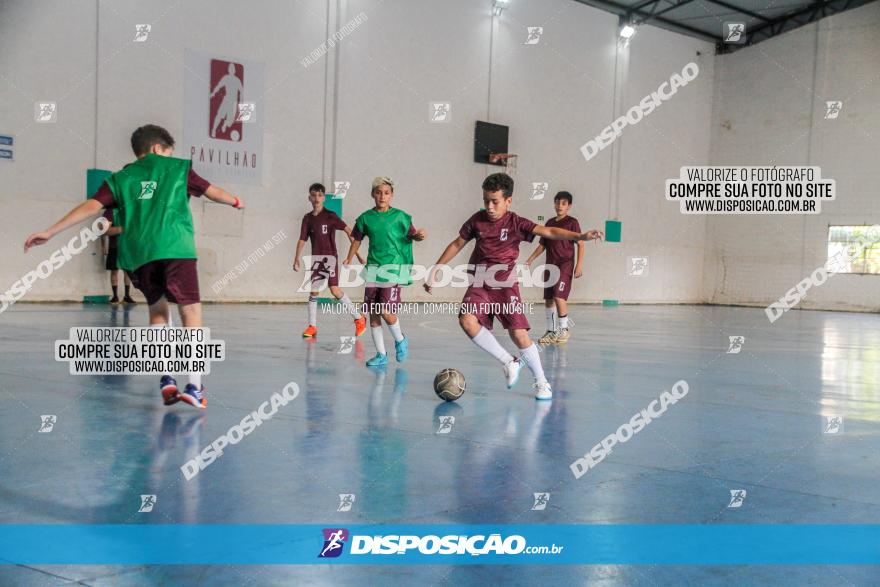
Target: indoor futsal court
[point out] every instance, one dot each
(408, 292)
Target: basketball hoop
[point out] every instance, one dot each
(507, 159)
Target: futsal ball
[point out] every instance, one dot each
(234, 135)
(449, 384)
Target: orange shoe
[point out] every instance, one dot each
(310, 332)
(194, 396)
(360, 326)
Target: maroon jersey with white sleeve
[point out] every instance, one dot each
(497, 242)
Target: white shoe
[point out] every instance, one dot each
(562, 336)
(548, 338)
(543, 390)
(511, 371)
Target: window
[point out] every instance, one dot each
(854, 249)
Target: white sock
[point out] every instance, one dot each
(563, 322)
(551, 318)
(378, 339)
(486, 341)
(313, 311)
(533, 360)
(349, 307)
(395, 331)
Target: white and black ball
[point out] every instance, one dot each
(449, 384)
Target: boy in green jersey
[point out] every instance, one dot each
(157, 244)
(389, 260)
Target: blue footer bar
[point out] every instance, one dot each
(439, 544)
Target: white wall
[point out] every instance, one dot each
(145, 83)
(769, 110)
(675, 134)
(41, 59)
(554, 95)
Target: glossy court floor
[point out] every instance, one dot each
(752, 420)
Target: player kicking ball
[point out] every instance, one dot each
(495, 291)
(319, 226)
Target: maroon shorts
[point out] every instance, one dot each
(176, 279)
(563, 287)
(503, 303)
(331, 276)
(382, 300)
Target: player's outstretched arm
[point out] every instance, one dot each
(556, 234)
(82, 212)
(221, 196)
(538, 250)
(560, 234)
(419, 235)
(449, 253)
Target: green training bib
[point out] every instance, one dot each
(153, 205)
(390, 247)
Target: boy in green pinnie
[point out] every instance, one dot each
(390, 257)
(157, 244)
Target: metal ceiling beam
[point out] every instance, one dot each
(623, 10)
(741, 10)
(667, 9)
(805, 15)
(649, 7)
(641, 5)
(645, 12)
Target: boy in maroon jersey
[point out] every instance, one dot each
(320, 226)
(109, 248)
(498, 233)
(561, 255)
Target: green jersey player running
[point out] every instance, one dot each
(390, 257)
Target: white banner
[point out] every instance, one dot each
(222, 120)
